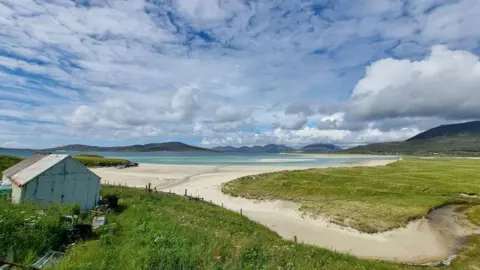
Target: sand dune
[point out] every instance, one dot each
(420, 242)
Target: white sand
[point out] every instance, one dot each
(419, 242)
(286, 159)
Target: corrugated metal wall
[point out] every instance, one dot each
(66, 182)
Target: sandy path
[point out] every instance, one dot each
(419, 242)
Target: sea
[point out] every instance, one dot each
(220, 159)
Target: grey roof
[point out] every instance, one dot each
(35, 166)
(24, 164)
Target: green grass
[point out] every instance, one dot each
(29, 230)
(474, 214)
(100, 161)
(88, 156)
(170, 232)
(7, 162)
(369, 199)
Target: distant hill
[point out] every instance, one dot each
(457, 139)
(269, 148)
(151, 147)
(454, 130)
(320, 147)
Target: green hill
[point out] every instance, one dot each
(457, 140)
(151, 147)
(468, 129)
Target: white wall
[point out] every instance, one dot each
(66, 182)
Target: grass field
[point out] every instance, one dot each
(170, 232)
(370, 199)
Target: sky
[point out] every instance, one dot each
(235, 72)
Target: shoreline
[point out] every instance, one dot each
(417, 243)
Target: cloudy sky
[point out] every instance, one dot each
(235, 72)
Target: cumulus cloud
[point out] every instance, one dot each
(287, 71)
(308, 135)
(228, 113)
(292, 122)
(444, 84)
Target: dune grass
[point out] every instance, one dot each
(370, 199)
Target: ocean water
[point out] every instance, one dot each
(221, 159)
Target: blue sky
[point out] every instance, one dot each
(234, 72)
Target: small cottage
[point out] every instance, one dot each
(51, 178)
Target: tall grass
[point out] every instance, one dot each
(28, 230)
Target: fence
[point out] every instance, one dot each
(148, 188)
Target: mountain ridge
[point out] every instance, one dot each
(460, 139)
(320, 147)
(150, 147)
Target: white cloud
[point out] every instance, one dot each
(228, 113)
(110, 70)
(14, 144)
(308, 135)
(445, 84)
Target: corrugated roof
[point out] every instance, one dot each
(24, 164)
(25, 175)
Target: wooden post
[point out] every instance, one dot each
(155, 189)
(241, 211)
(222, 204)
(170, 191)
(295, 238)
(146, 188)
(185, 192)
(149, 187)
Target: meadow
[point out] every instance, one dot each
(370, 199)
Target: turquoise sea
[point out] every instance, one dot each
(223, 159)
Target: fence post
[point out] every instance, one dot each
(222, 204)
(295, 238)
(149, 187)
(185, 192)
(155, 189)
(241, 211)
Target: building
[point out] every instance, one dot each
(51, 178)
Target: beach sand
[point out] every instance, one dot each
(419, 242)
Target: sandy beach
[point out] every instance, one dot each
(420, 242)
